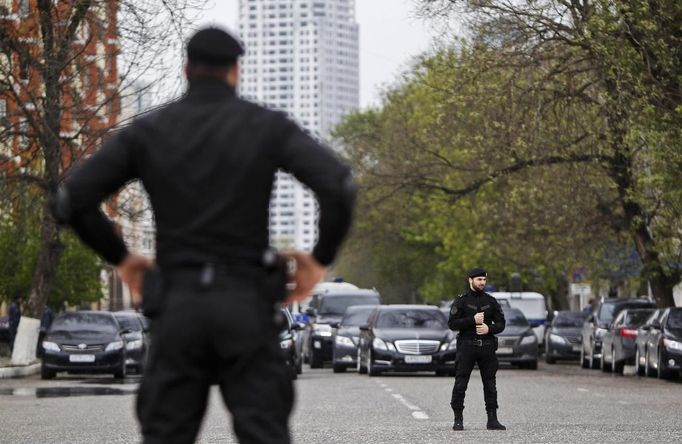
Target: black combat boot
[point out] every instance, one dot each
(493, 423)
(459, 421)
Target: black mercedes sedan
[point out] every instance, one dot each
(517, 344)
(406, 338)
(347, 336)
(562, 336)
(84, 342)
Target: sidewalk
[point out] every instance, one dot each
(9, 371)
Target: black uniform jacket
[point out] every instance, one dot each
(467, 305)
(207, 161)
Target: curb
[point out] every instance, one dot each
(19, 371)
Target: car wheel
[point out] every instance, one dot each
(548, 356)
(339, 368)
(371, 369)
(663, 373)
(594, 362)
(315, 360)
(638, 363)
(616, 367)
(533, 365)
(121, 374)
(361, 368)
(299, 366)
(648, 370)
(603, 365)
(583, 359)
(46, 374)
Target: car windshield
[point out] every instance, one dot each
(411, 319)
(356, 318)
(84, 322)
(515, 318)
(129, 323)
(637, 317)
(609, 310)
(570, 319)
(337, 305)
(675, 320)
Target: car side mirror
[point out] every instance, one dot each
(364, 327)
(125, 331)
(335, 324)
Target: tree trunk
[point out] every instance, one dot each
(44, 274)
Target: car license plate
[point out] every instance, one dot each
(505, 351)
(426, 359)
(81, 358)
(576, 347)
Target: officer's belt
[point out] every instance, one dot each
(205, 271)
(478, 342)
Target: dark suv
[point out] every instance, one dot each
(318, 342)
(597, 324)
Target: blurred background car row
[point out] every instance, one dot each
(348, 328)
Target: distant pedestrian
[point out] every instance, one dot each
(14, 318)
(588, 307)
(478, 317)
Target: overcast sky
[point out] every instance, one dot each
(390, 36)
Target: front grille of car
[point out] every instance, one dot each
(509, 341)
(417, 347)
(574, 339)
(89, 348)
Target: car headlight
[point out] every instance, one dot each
(344, 341)
(381, 345)
(452, 345)
(50, 346)
(322, 330)
(557, 339)
(133, 345)
(672, 345)
(113, 346)
(286, 344)
(530, 339)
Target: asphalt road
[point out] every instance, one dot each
(559, 403)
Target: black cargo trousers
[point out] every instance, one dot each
(469, 353)
(224, 333)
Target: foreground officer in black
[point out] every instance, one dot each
(207, 162)
(478, 317)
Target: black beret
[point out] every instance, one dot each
(214, 47)
(477, 272)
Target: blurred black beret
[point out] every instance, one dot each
(477, 272)
(213, 47)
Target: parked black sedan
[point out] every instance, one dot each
(137, 339)
(664, 347)
(618, 346)
(347, 336)
(517, 344)
(562, 336)
(597, 325)
(287, 342)
(406, 338)
(84, 342)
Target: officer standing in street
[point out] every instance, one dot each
(208, 161)
(478, 317)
